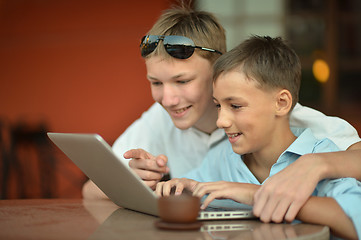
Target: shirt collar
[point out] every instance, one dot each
(304, 143)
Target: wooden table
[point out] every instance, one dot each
(102, 219)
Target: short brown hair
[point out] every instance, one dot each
(269, 61)
(200, 26)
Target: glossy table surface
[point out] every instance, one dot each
(102, 219)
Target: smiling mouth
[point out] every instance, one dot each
(181, 110)
(233, 135)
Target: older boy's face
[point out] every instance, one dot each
(184, 89)
(245, 112)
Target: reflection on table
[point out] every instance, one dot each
(80, 219)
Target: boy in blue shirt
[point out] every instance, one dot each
(255, 87)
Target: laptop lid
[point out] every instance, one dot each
(97, 160)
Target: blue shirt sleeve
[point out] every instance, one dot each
(347, 193)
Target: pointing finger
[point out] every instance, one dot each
(137, 153)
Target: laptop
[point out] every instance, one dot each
(96, 159)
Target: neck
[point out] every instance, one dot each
(261, 162)
(207, 123)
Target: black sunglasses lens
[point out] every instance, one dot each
(147, 48)
(148, 44)
(179, 51)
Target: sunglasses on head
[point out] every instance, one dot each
(177, 46)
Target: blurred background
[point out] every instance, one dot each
(75, 66)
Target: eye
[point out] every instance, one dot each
(218, 106)
(183, 81)
(155, 83)
(235, 106)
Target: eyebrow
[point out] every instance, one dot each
(151, 78)
(229, 98)
(173, 77)
(178, 76)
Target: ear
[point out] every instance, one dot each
(283, 102)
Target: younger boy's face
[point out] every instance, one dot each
(245, 112)
(184, 88)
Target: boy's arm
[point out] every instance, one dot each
(91, 191)
(349, 168)
(326, 211)
(283, 194)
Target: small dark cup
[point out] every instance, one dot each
(179, 209)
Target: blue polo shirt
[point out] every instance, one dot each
(222, 164)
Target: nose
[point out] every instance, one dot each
(223, 120)
(170, 96)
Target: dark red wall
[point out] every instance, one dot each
(75, 64)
